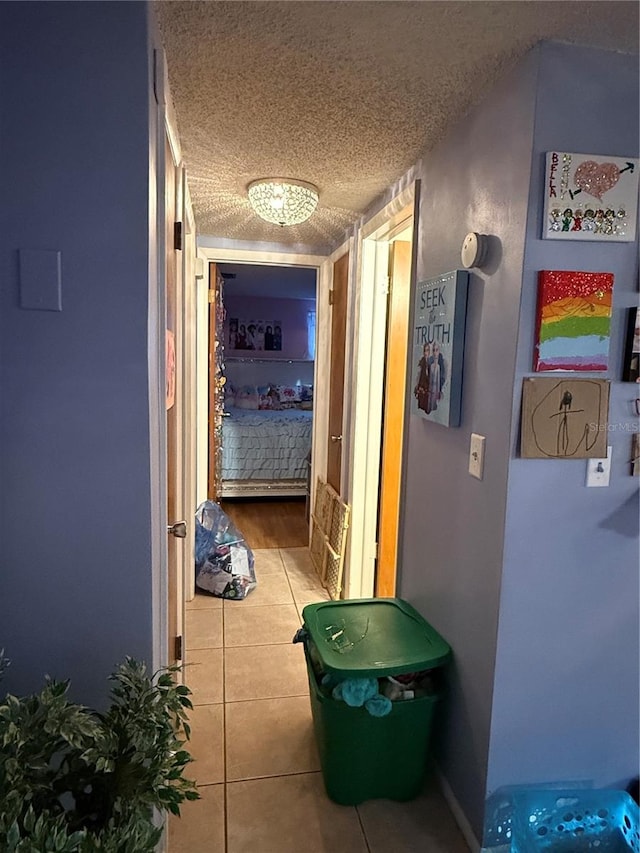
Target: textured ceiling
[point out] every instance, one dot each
(347, 95)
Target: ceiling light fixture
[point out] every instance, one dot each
(283, 201)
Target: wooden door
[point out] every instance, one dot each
(336, 382)
(189, 382)
(393, 416)
(175, 522)
(213, 421)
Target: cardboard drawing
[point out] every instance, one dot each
(564, 418)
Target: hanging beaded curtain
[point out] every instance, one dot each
(220, 381)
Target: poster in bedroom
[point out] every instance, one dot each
(261, 335)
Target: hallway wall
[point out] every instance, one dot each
(566, 684)
(75, 578)
(554, 633)
(451, 555)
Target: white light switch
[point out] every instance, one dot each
(598, 470)
(476, 455)
(40, 280)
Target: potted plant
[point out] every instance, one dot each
(74, 780)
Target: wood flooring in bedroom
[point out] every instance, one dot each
(270, 522)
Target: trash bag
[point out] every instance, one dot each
(224, 561)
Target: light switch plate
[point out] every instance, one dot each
(598, 470)
(476, 455)
(40, 280)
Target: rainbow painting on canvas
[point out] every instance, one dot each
(574, 320)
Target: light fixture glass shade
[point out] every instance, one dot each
(283, 201)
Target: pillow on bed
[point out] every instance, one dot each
(306, 393)
(276, 405)
(265, 401)
(247, 397)
(288, 393)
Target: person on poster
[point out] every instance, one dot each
(233, 334)
(433, 392)
(241, 340)
(268, 338)
(442, 364)
(277, 338)
(420, 392)
(251, 336)
(436, 372)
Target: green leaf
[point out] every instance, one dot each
(192, 795)
(13, 835)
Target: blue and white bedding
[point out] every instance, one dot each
(265, 445)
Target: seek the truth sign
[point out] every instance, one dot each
(438, 347)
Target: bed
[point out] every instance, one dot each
(265, 452)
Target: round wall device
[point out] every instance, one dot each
(474, 250)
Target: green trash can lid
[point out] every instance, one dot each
(373, 637)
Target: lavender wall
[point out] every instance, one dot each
(292, 313)
(75, 577)
(451, 555)
(566, 685)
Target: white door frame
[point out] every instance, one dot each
(263, 257)
(162, 126)
(366, 415)
(155, 356)
(189, 385)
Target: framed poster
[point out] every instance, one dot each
(438, 347)
(564, 418)
(260, 335)
(590, 197)
(573, 324)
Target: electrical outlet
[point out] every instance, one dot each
(598, 470)
(476, 455)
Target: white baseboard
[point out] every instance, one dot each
(263, 489)
(456, 810)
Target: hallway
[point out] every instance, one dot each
(252, 737)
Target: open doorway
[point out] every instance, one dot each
(378, 418)
(251, 275)
(265, 344)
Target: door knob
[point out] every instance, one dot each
(179, 529)
(336, 438)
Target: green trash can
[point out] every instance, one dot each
(365, 757)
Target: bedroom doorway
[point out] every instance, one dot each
(261, 358)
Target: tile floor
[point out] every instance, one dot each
(256, 763)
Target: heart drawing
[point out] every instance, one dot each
(596, 178)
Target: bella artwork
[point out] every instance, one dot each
(438, 345)
(573, 320)
(590, 197)
(564, 418)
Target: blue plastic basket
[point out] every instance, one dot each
(574, 821)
